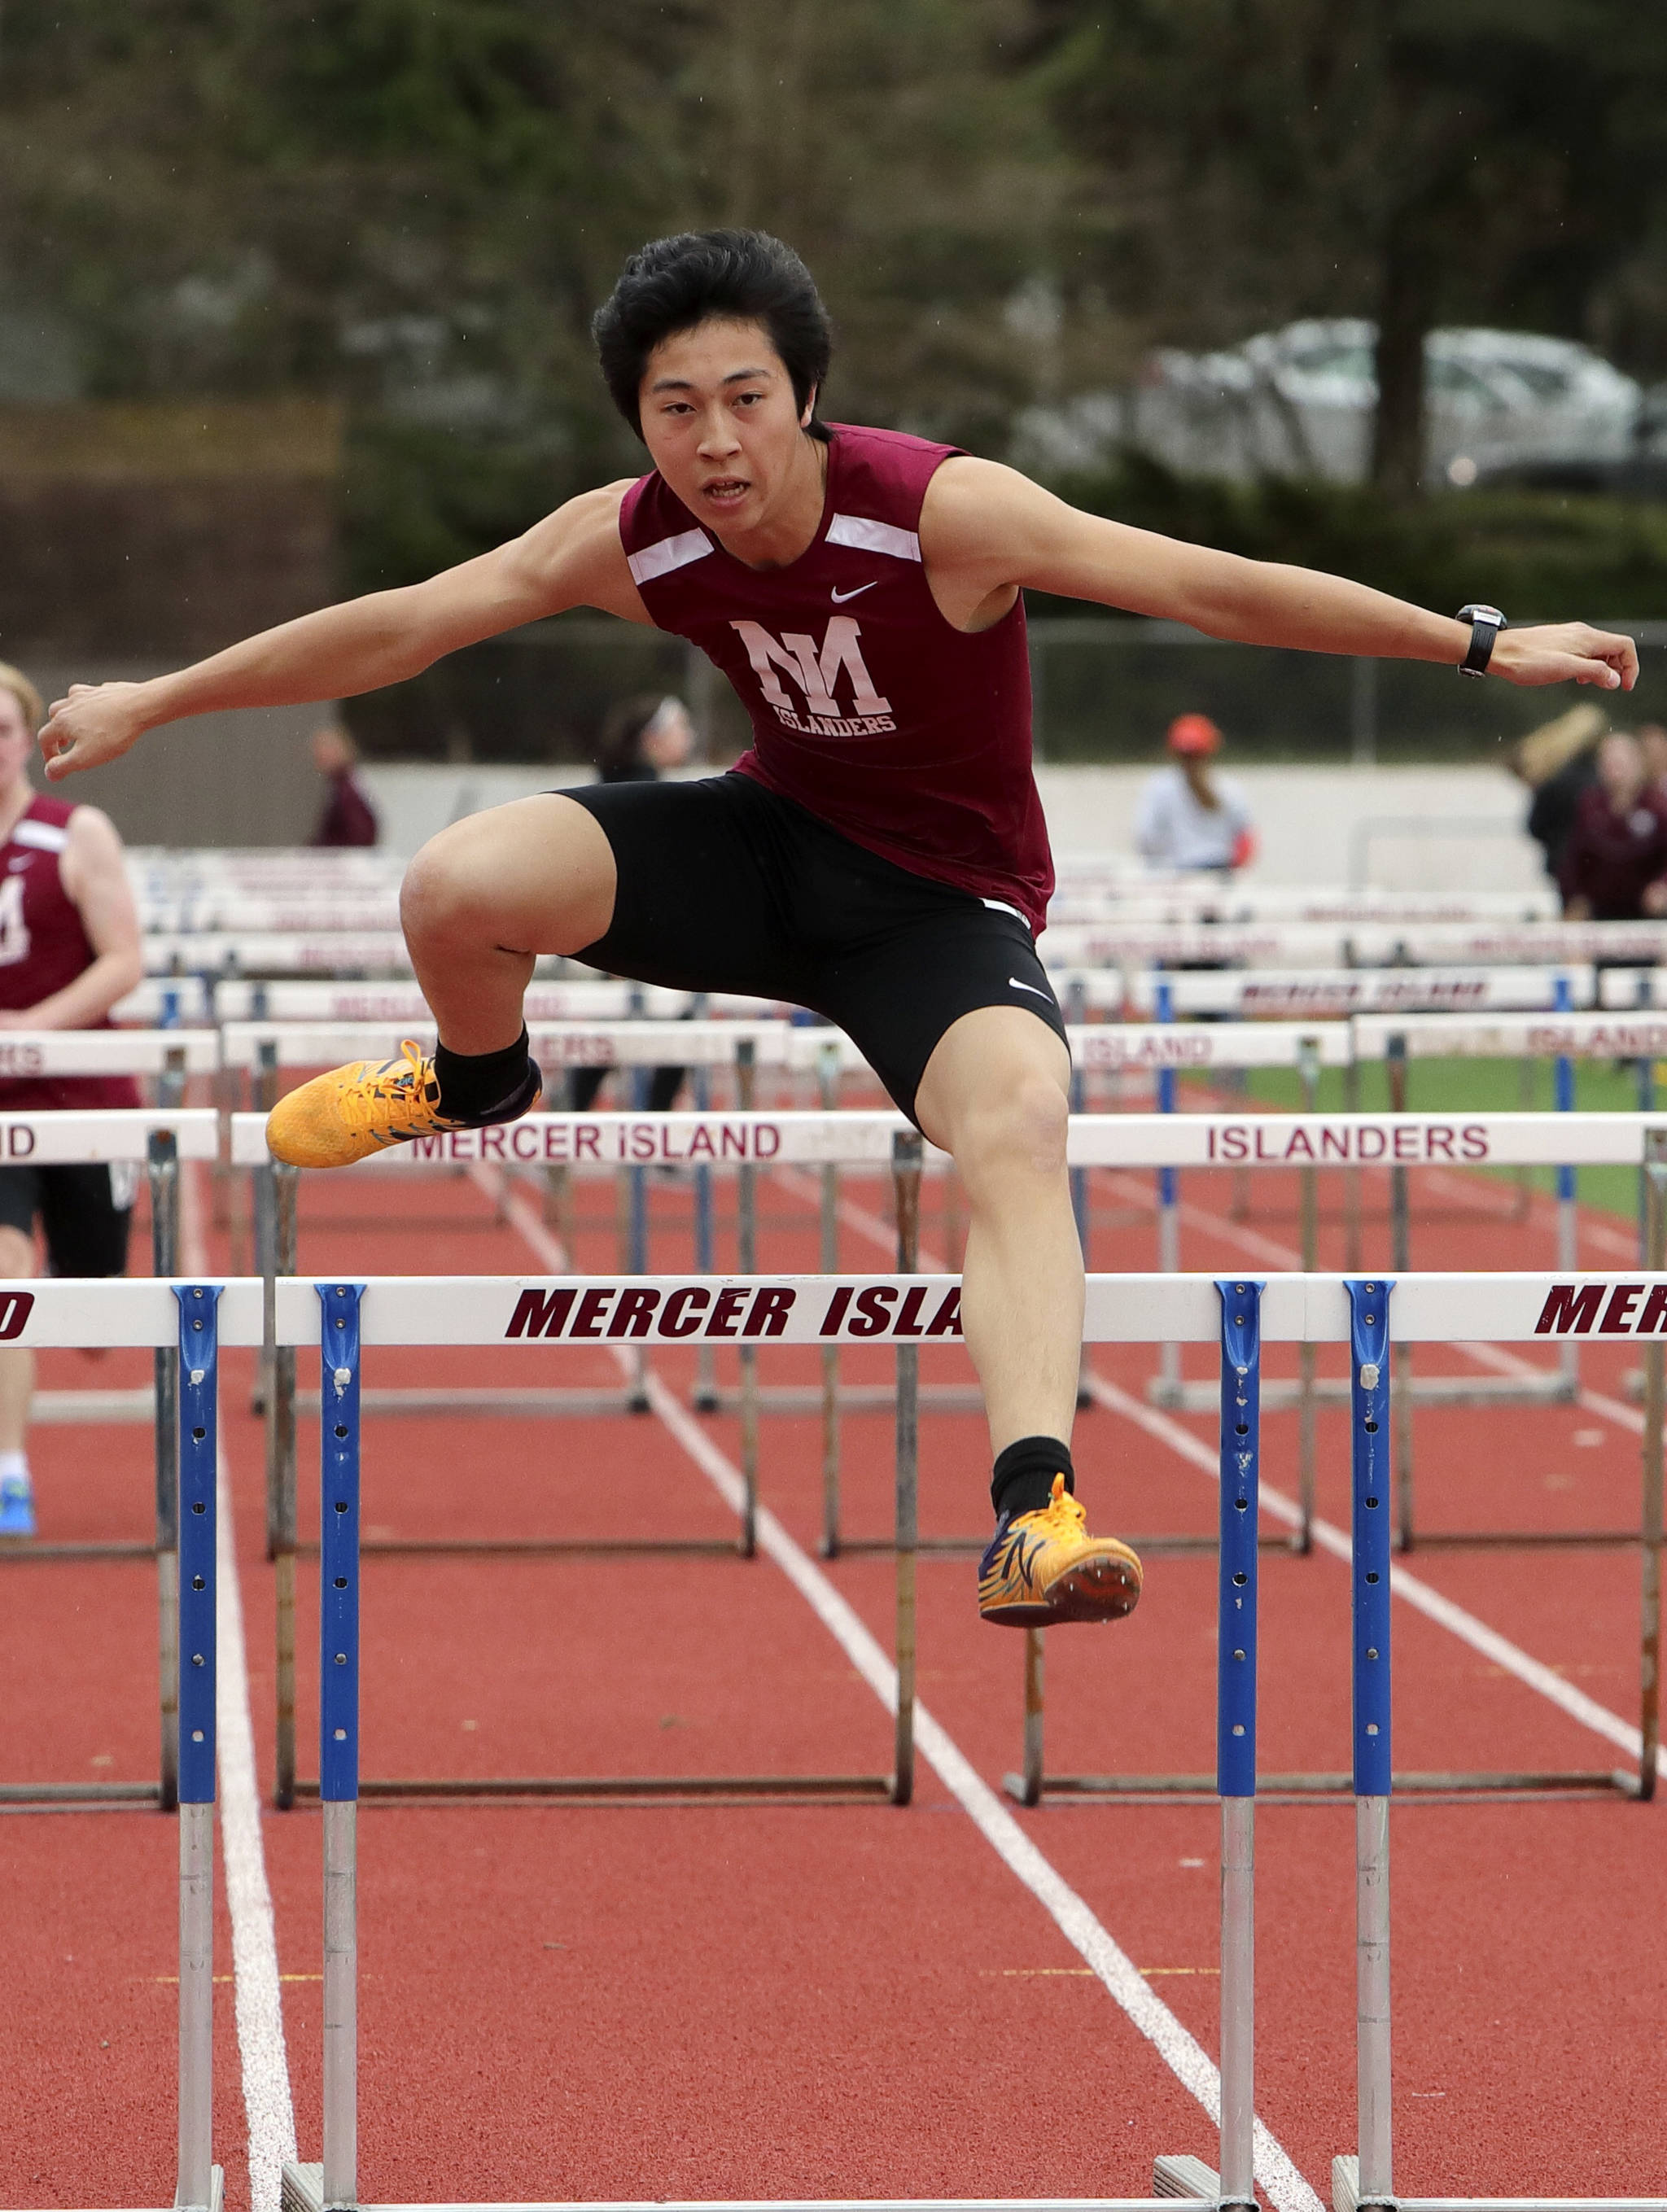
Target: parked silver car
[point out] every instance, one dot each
(1300, 402)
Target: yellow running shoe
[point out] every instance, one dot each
(1043, 1567)
(359, 1109)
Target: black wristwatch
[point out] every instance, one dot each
(1486, 623)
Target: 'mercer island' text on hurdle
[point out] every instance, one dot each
(740, 1309)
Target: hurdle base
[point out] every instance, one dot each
(300, 2189)
(16, 1797)
(1616, 1781)
(973, 1547)
(99, 1406)
(640, 1788)
(541, 1547)
(217, 2191)
(546, 1403)
(1280, 1397)
(1345, 2198)
(1188, 2178)
(32, 1547)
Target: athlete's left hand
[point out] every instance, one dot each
(1565, 653)
(93, 724)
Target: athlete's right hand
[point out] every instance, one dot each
(97, 722)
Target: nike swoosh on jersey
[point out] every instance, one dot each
(1030, 988)
(840, 598)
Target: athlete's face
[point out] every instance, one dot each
(720, 421)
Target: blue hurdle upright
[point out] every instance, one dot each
(1366, 2179)
(199, 2182)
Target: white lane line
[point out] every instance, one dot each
(1497, 1650)
(262, 2055)
(1179, 2050)
(259, 2007)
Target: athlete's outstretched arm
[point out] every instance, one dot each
(985, 529)
(573, 558)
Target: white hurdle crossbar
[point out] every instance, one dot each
(1319, 994)
(340, 1318)
(795, 1138)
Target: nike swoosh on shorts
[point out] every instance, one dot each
(839, 597)
(1030, 988)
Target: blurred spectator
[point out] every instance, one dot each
(1558, 763)
(1652, 743)
(641, 738)
(1187, 818)
(1615, 863)
(349, 817)
(69, 949)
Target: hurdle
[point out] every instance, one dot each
(1316, 995)
(213, 952)
(158, 1140)
(1171, 1048)
(1275, 945)
(881, 1139)
(190, 1320)
(1364, 2178)
(341, 1317)
(1561, 1037)
(1394, 1043)
(1080, 898)
(1396, 1142)
(1435, 1309)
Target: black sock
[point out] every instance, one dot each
(1024, 1472)
(471, 1084)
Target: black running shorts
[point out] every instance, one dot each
(84, 1212)
(724, 886)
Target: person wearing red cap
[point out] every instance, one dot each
(1188, 819)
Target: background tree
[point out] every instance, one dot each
(1417, 161)
(417, 204)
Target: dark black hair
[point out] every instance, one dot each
(740, 276)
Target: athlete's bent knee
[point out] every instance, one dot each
(446, 893)
(1024, 1126)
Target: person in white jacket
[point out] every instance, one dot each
(1187, 818)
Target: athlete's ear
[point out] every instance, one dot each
(810, 409)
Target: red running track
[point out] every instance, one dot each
(755, 2001)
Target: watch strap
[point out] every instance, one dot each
(1486, 623)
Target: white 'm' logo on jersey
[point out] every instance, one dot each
(13, 930)
(817, 673)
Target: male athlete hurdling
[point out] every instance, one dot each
(880, 855)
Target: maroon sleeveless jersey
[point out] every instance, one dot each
(43, 946)
(908, 735)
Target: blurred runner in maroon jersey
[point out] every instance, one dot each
(1614, 867)
(69, 949)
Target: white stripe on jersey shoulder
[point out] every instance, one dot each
(668, 553)
(873, 537)
(45, 836)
